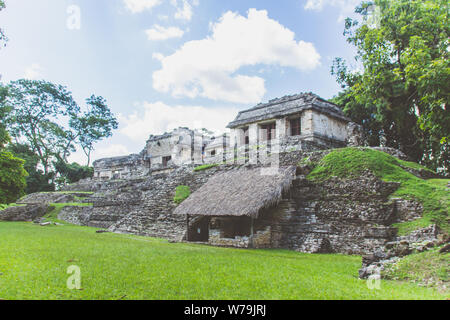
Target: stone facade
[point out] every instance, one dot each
(162, 153)
(283, 124)
(343, 216)
(292, 123)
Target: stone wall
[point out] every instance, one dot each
(345, 216)
(140, 206)
(215, 239)
(350, 216)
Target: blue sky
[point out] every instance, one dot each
(167, 63)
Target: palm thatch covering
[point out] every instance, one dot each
(240, 192)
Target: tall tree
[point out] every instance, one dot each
(36, 180)
(12, 172)
(35, 110)
(12, 177)
(402, 93)
(45, 120)
(3, 38)
(95, 124)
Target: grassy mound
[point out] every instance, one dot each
(353, 162)
(429, 268)
(34, 262)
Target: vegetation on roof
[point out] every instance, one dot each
(353, 162)
(205, 167)
(181, 194)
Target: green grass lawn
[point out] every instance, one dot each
(34, 262)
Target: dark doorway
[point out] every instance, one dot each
(199, 230)
(165, 161)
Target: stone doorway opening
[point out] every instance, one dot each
(199, 229)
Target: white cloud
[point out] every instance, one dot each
(111, 150)
(158, 32)
(158, 56)
(158, 117)
(208, 67)
(184, 12)
(137, 6)
(163, 17)
(346, 7)
(33, 72)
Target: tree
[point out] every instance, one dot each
(4, 112)
(95, 124)
(12, 177)
(36, 180)
(46, 126)
(35, 109)
(47, 118)
(402, 93)
(71, 173)
(3, 38)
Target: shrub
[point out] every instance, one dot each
(181, 194)
(12, 177)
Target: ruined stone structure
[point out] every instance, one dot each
(256, 195)
(241, 206)
(162, 153)
(284, 124)
(292, 123)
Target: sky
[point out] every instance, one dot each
(162, 64)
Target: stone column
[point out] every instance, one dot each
(253, 143)
(232, 146)
(307, 122)
(281, 128)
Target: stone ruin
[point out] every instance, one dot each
(134, 194)
(298, 122)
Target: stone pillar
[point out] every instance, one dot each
(253, 143)
(307, 122)
(198, 149)
(240, 144)
(232, 146)
(281, 128)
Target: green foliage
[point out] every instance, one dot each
(34, 261)
(12, 178)
(353, 162)
(205, 167)
(5, 206)
(94, 125)
(71, 173)
(47, 118)
(4, 112)
(401, 95)
(46, 125)
(3, 38)
(181, 194)
(37, 180)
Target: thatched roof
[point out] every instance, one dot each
(239, 192)
(286, 106)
